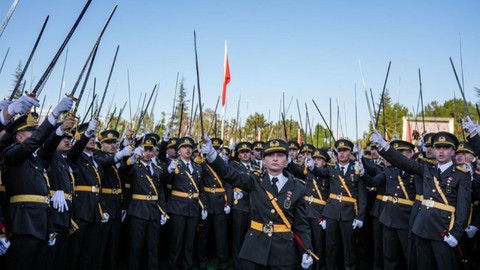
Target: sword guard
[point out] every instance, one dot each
(72, 97)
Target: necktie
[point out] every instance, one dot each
(93, 161)
(248, 167)
(274, 185)
(149, 171)
(188, 166)
(342, 170)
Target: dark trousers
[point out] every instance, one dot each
(412, 250)
(26, 252)
(248, 265)
(240, 225)
(340, 233)
(182, 239)
(219, 222)
(82, 246)
(144, 235)
(318, 243)
(365, 250)
(435, 255)
(57, 254)
(395, 244)
(377, 229)
(108, 238)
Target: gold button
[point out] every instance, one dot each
(398, 187)
(270, 223)
(396, 194)
(272, 211)
(433, 190)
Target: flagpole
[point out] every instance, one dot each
(226, 80)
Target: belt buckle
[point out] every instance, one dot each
(114, 191)
(69, 197)
(94, 189)
(310, 199)
(395, 199)
(339, 197)
(213, 190)
(268, 229)
(47, 199)
(190, 195)
(149, 197)
(429, 203)
(384, 198)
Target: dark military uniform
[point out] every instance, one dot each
(27, 185)
(216, 195)
(184, 205)
(87, 209)
(145, 210)
(445, 206)
(112, 194)
(399, 198)
(347, 201)
(269, 241)
(61, 178)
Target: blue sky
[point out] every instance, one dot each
(307, 49)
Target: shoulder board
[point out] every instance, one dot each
(460, 168)
(256, 167)
(331, 164)
(300, 180)
(258, 173)
(157, 166)
(433, 162)
(236, 162)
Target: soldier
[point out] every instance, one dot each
(257, 154)
(146, 209)
(346, 207)
(315, 196)
(293, 150)
(399, 198)
(241, 200)
(27, 185)
(446, 201)
(112, 193)
(186, 203)
(218, 209)
(87, 208)
(277, 209)
(61, 188)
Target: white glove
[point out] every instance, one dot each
(469, 125)
(208, 150)
(307, 261)
(421, 145)
(5, 103)
(106, 216)
(171, 167)
(226, 209)
(323, 223)
(359, 167)
(378, 140)
(92, 127)
(204, 214)
(163, 220)
(63, 106)
(52, 239)
(138, 151)
(471, 231)
(310, 164)
(232, 146)
(21, 105)
(237, 195)
(124, 153)
(357, 224)
(450, 240)
(4, 244)
(59, 202)
(166, 135)
(124, 214)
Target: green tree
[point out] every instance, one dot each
(16, 77)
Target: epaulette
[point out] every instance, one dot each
(236, 162)
(301, 181)
(258, 173)
(256, 167)
(331, 164)
(460, 168)
(157, 166)
(433, 162)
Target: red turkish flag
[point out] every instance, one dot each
(226, 77)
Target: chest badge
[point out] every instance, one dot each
(288, 201)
